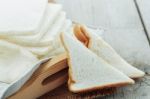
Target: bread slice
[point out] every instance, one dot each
(105, 51)
(21, 17)
(53, 15)
(87, 71)
(14, 62)
(52, 40)
(57, 28)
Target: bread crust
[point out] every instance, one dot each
(85, 32)
(80, 35)
(71, 79)
(100, 87)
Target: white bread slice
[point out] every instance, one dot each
(14, 61)
(53, 14)
(40, 51)
(21, 17)
(87, 71)
(105, 51)
(54, 44)
(61, 25)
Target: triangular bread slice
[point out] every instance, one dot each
(87, 71)
(105, 51)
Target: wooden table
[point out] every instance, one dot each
(127, 29)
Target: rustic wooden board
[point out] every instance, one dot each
(123, 30)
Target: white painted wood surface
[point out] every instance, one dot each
(121, 21)
(144, 7)
(123, 30)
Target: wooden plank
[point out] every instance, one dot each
(114, 14)
(78, 10)
(103, 13)
(123, 30)
(144, 8)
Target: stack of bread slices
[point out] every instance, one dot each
(32, 30)
(29, 32)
